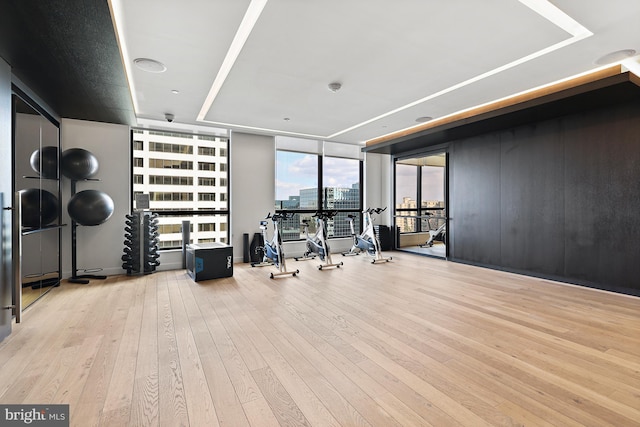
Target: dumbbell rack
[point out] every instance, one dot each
(141, 243)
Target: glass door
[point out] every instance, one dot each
(421, 204)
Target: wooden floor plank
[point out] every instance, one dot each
(259, 413)
(282, 405)
(144, 401)
(200, 405)
(244, 386)
(227, 403)
(110, 324)
(171, 399)
(280, 366)
(414, 342)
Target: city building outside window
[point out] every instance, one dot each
(308, 182)
(182, 176)
(420, 193)
(206, 166)
(207, 151)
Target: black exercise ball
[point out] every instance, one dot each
(90, 207)
(45, 162)
(78, 164)
(39, 207)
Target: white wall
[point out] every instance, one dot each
(252, 182)
(99, 246)
(377, 185)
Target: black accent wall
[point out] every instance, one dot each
(559, 198)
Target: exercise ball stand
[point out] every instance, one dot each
(79, 278)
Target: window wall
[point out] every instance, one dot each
(186, 178)
(317, 178)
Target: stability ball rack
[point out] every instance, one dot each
(88, 207)
(78, 278)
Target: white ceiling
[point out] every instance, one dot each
(396, 60)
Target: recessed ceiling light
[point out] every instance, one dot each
(424, 119)
(175, 92)
(616, 56)
(334, 87)
(150, 65)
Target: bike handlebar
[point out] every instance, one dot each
(375, 210)
(276, 216)
(325, 214)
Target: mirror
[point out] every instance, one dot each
(36, 149)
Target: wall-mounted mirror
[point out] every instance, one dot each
(36, 154)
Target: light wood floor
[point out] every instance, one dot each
(418, 341)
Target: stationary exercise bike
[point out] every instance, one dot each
(317, 244)
(367, 241)
(273, 253)
(435, 234)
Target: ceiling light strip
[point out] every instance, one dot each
(117, 17)
(462, 84)
(542, 7)
(264, 130)
(557, 17)
(445, 119)
(244, 30)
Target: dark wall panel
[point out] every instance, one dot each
(475, 200)
(532, 198)
(602, 204)
(558, 199)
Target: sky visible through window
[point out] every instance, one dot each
(432, 183)
(297, 171)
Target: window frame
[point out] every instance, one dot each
(180, 212)
(421, 224)
(320, 194)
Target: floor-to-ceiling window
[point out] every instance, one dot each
(316, 175)
(420, 203)
(187, 179)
